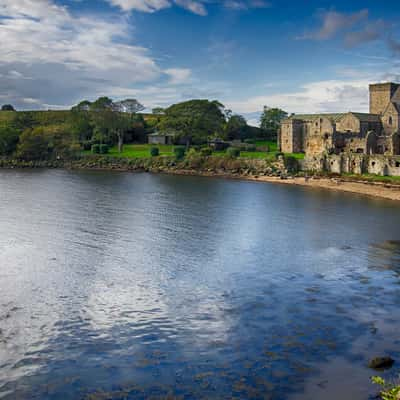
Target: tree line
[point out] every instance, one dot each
(108, 123)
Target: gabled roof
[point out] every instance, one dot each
(312, 117)
(366, 117)
(395, 105)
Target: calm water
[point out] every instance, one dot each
(124, 286)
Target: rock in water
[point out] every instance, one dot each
(381, 363)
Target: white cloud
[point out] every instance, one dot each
(322, 96)
(141, 5)
(195, 7)
(50, 56)
(333, 22)
(178, 76)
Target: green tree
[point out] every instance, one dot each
(235, 128)
(112, 120)
(158, 111)
(270, 121)
(195, 119)
(7, 107)
(33, 145)
(8, 140)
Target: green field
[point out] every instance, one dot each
(143, 151)
(140, 150)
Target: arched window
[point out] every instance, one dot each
(390, 121)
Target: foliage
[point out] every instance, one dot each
(158, 110)
(7, 107)
(45, 142)
(33, 145)
(103, 148)
(389, 391)
(154, 151)
(8, 140)
(235, 128)
(96, 149)
(270, 121)
(194, 119)
(179, 152)
(233, 152)
(206, 151)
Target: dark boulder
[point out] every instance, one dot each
(381, 363)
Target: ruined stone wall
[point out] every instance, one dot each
(349, 123)
(391, 120)
(318, 135)
(354, 164)
(291, 136)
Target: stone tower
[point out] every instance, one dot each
(380, 95)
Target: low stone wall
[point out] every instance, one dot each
(354, 163)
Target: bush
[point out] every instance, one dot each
(206, 151)
(279, 154)
(96, 149)
(33, 145)
(251, 147)
(87, 145)
(154, 151)
(233, 152)
(179, 152)
(249, 141)
(103, 148)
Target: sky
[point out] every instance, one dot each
(302, 56)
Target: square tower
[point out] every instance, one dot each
(380, 95)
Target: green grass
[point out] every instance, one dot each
(138, 151)
(375, 178)
(273, 147)
(143, 151)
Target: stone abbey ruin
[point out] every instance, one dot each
(350, 142)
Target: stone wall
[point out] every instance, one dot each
(355, 164)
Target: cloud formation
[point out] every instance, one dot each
(195, 6)
(333, 22)
(49, 56)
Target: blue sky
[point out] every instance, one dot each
(301, 56)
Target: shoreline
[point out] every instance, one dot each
(370, 189)
(380, 190)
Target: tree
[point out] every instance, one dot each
(8, 140)
(270, 121)
(113, 119)
(7, 107)
(236, 128)
(194, 119)
(33, 145)
(158, 111)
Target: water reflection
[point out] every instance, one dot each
(116, 285)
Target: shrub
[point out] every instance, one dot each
(251, 147)
(179, 152)
(389, 391)
(87, 145)
(154, 151)
(206, 151)
(103, 148)
(279, 154)
(233, 152)
(96, 149)
(249, 141)
(33, 145)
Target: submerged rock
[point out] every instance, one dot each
(381, 363)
